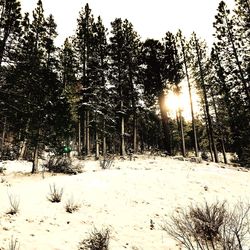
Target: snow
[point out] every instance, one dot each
(124, 198)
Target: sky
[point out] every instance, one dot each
(151, 19)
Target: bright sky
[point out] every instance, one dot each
(151, 19)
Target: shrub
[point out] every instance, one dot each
(210, 227)
(207, 220)
(14, 204)
(97, 240)
(2, 180)
(61, 164)
(204, 156)
(107, 162)
(14, 245)
(235, 231)
(55, 194)
(71, 206)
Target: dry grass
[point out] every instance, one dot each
(14, 245)
(71, 206)
(14, 204)
(55, 194)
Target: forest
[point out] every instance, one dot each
(104, 91)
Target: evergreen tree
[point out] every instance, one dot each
(35, 80)
(124, 74)
(232, 55)
(10, 18)
(200, 67)
(99, 99)
(132, 47)
(173, 74)
(68, 77)
(242, 19)
(185, 58)
(161, 69)
(84, 48)
(154, 83)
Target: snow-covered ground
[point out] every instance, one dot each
(124, 198)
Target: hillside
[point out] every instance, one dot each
(124, 198)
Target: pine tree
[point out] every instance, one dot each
(50, 48)
(132, 48)
(124, 74)
(98, 73)
(35, 82)
(161, 68)
(84, 46)
(232, 52)
(68, 77)
(154, 83)
(242, 20)
(184, 51)
(10, 18)
(225, 34)
(173, 74)
(200, 65)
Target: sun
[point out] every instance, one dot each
(175, 102)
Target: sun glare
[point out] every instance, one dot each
(175, 102)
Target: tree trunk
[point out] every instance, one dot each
(183, 146)
(135, 134)
(210, 125)
(122, 121)
(190, 97)
(220, 130)
(97, 146)
(104, 139)
(87, 134)
(23, 144)
(3, 134)
(165, 124)
(122, 150)
(35, 156)
(23, 147)
(79, 137)
(208, 136)
(132, 90)
(84, 132)
(35, 160)
(223, 150)
(142, 147)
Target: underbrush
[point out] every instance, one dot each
(97, 240)
(211, 227)
(62, 164)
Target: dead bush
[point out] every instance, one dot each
(107, 162)
(55, 194)
(235, 233)
(210, 227)
(207, 220)
(97, 240)
(71, 206)
(13, 244)
(14, 204)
